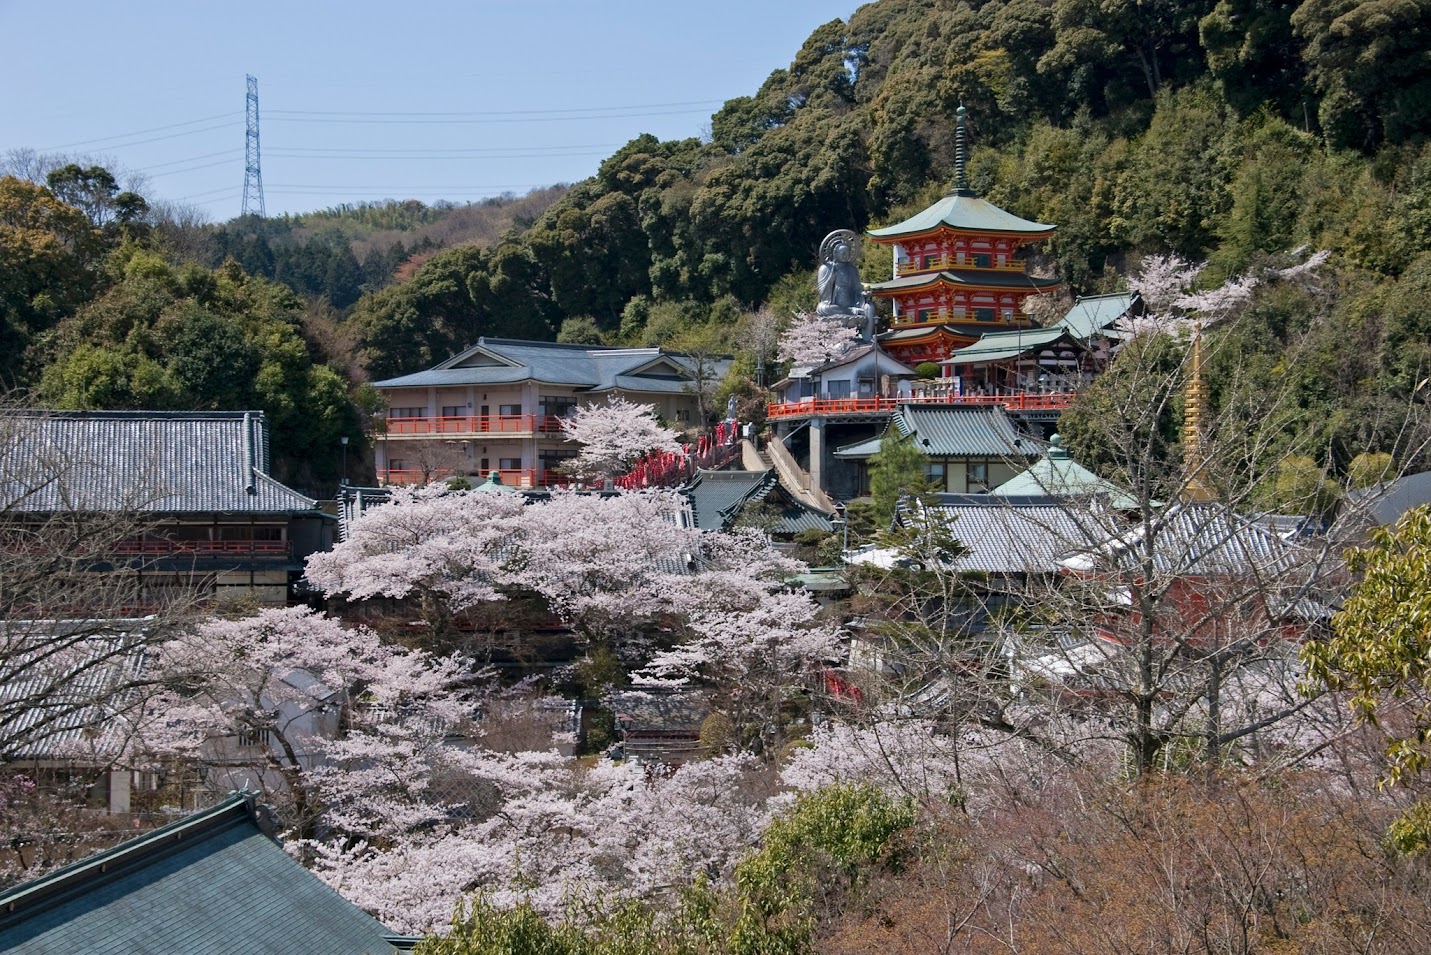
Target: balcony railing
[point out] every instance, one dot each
(475, 424)
(913, 266)
(160, 547)
(525, 478)
(810, 407)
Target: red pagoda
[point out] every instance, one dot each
(956, 272)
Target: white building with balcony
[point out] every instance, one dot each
(497, 406)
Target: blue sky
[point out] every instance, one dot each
(366, 101)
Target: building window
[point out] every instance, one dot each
(552, 459)
(683, 415)
(984, 314)
(485, 465)
(978, 476)
(558, 406)
(417, 412)
(926, 314)
(837, 389)
(935, 472)
(397, 464)
(509, 464)
(454, 411)
(982, 260)
(509, 410)
(251, 736)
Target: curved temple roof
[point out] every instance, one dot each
(962, 211)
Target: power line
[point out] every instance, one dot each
(502, 112)
(142, 132)
(283, 155)
(464, 150)
(485, 122)
(176, 172)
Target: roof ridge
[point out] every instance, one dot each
(23, 900)
(137, 415)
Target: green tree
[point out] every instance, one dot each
(897, 470)
(1380, 647)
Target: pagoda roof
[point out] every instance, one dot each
(962, 211)
(1058, 475)
(966, 278)
(919, 333)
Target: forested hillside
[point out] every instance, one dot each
(1228, 131)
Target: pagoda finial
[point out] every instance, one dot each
(961, 181)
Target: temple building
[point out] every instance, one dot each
(957, 273)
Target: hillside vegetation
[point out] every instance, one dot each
(1231, 131)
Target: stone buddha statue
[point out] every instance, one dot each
(842, 295)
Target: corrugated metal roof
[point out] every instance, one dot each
(147, 461)
(965, 212)
(587, 367)
(1093, 314)
(974, 278)
(211, 883)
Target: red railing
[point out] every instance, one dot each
(809, 407)
(156, 546)
(522, 478)
(475, 424)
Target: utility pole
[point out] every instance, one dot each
(252, 171)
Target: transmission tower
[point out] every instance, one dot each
(252, 171)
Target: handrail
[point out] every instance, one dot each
(160, 546)
(524, 478)
(914, 267)
(475, 424)
(810, 407)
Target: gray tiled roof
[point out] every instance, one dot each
(586, 367)
(717, 498)
(963, 431)
(211, 883)
(156, 462)
(66, 687)
(1194, 539)
(1007, 536)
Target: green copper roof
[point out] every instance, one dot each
(1058, 475)
(962, 211)
(1092, 314)
(967, 431)
(1002, 346)
(210, 883)
(971, 278)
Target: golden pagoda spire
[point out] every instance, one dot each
(1195, 410)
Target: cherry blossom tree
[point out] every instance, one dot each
(613, 436)
(754, 640)
(310, 711)
(443, 547)
(813, 340)
(603, 561)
